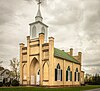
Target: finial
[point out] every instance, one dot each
(38, 16)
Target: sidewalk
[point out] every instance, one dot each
(98, 89)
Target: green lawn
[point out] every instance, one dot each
(49, 89)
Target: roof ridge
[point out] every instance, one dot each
(4, 71)
(64, 55)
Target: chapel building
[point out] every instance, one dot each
(43, 64)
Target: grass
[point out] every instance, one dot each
(49, 89)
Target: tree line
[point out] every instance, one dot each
(92, 80)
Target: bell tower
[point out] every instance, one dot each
(38, 26)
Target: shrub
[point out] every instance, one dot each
(15, 83)
(7, 84)
(1, 84)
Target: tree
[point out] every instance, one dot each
(93, 80)
(1, 68)
(14, 63)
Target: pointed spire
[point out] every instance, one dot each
(38, 16)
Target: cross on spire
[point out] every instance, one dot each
(39, 2)
(38, 16)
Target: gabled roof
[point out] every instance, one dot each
(63, 55)
(2, 72)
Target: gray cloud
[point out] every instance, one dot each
(84, 20)
(73, 23)
(5, 13)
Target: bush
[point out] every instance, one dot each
(7, 84)
(1, 84)
(15, 83)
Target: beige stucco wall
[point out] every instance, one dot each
(24, 57)
(34, 50)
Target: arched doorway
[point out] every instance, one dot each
(34, 72)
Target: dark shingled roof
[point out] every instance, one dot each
(64, 55)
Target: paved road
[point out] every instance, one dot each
(94, 90)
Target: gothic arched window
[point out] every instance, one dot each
(38, 72)
(58, 66)
(58, 73)
(68, 74)
(33, 32)
(77, 75)
(43, 30)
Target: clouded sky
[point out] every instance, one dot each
(73, 23)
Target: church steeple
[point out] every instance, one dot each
(39, 16)
(38, 26)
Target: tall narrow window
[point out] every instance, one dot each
(43, 30)
(33, 32)
(58, 73)
(68, 74)
(77, 75)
